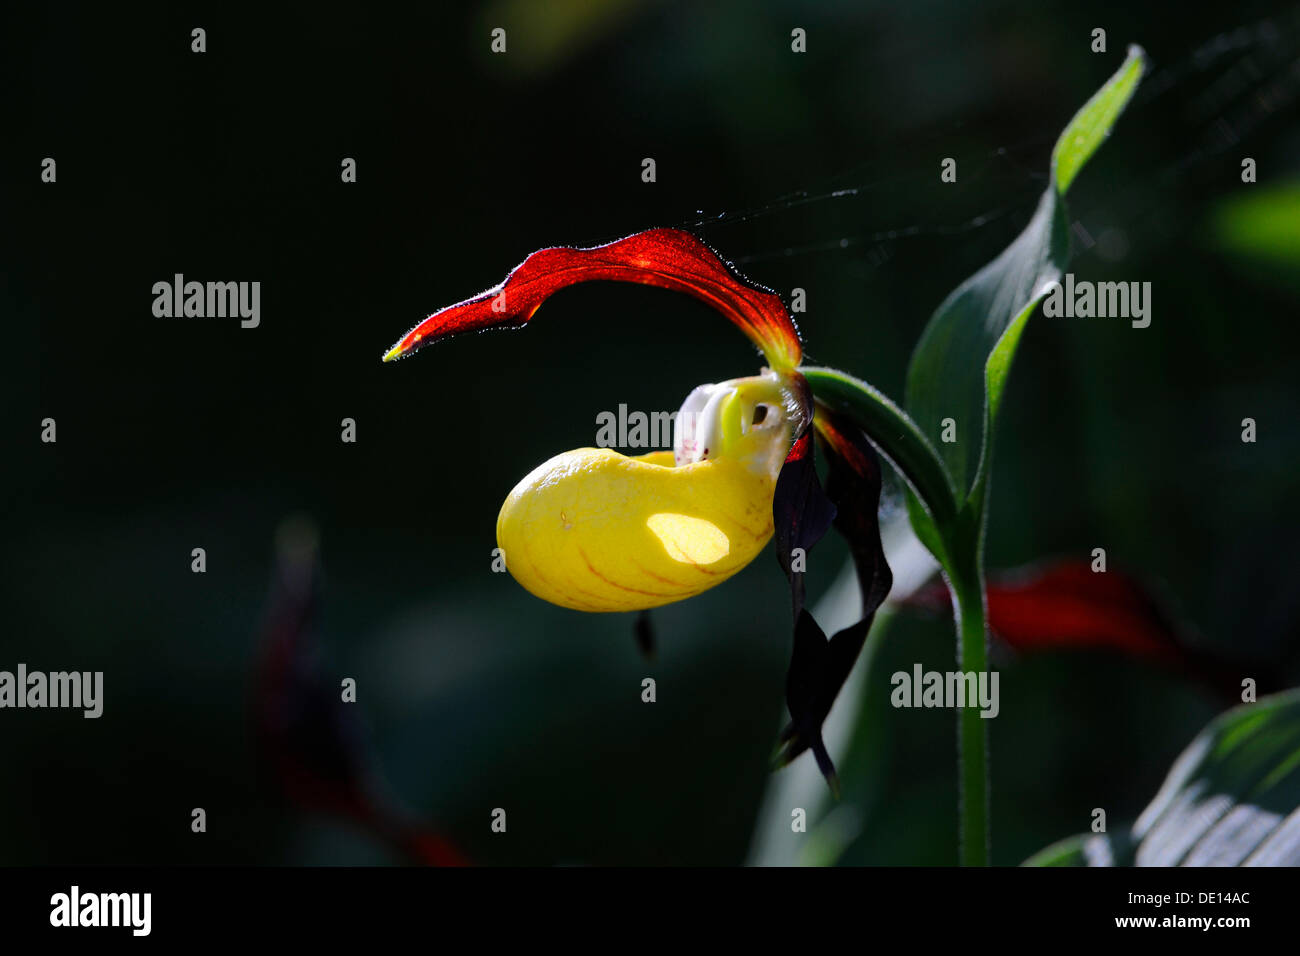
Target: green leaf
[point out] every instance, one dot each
(1091, 125)
(1231, 799)
(960, 365)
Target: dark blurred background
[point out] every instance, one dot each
(183, 433)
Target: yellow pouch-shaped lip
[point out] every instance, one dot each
(595, 530)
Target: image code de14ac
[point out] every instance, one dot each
(1205, 896)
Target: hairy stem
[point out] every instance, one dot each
(972, 729)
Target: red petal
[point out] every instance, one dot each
(668, 258)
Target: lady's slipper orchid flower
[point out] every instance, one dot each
(595, 530)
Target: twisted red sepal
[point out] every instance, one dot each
(1065, 605)
(312, 741)
(668, 258)
(1068, 604)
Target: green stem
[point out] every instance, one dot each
(972, 729)
(893, 432)
(955, 536)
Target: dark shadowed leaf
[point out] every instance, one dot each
(1231, 799)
